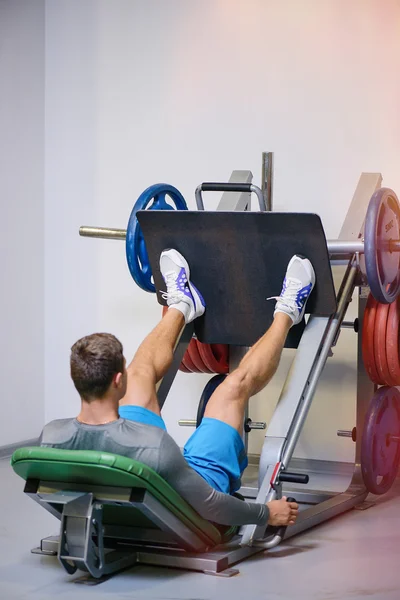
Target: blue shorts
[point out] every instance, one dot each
(215, 450)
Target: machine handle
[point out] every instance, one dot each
(225, 187)
(278, 533)
(229, 187)
(293, 478)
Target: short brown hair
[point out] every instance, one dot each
(95, 359)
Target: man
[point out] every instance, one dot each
(120, 412)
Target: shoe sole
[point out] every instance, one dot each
(312, 274)
(301, 315)
(312, 281)
(182, 262)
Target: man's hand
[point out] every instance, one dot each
(282, 512)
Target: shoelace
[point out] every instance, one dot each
(290, 294)
(173, 294)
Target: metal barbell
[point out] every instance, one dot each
(335, 247)
(249, 424)
(105, 233)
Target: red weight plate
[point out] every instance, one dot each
(196, 358)
(207, 357)
(368, 340)
(189, 364)
(183, 368)
(381, 319)
(392, 341)
(210, 360)
(221, 353)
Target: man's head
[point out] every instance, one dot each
(98, 367)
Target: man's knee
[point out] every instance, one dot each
(238, 384)
(141, 372)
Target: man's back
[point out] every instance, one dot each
(128, 438)
(154, 447)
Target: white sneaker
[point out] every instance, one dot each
(297, 287)
(181, 293)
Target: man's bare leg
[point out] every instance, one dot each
(154, 356)
(152, 360)
(228, 402)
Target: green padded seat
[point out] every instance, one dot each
(91, 468)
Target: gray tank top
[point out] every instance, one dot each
(156, 448)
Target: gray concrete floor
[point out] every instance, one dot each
(356, 555)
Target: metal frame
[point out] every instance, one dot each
(346, 246)
(80, 513)
(284, 429)
(215, 562)
(85, 543)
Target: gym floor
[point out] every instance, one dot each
(354, 556)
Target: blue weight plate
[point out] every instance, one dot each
(382, 226)
(380, 448)
(208, 391)
(153, 198)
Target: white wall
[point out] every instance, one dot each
(139, 92)
(71, 190)
(22, 201)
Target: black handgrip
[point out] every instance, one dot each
(225, 187)
(282, 530)
(293, 477)
(228, 187)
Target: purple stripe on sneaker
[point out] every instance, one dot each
(200, 296)
(181, 281)
(182, 284)
(302, 296)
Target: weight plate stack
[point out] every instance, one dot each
(193, 351)
(204, 358)
(380, 342)
(380, 447)
(392, 341)
(368, 341)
